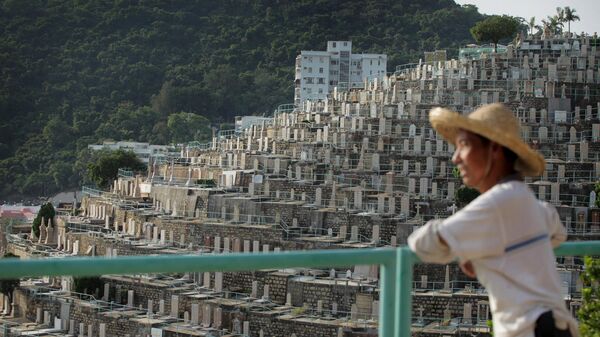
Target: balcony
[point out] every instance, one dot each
(396, 270)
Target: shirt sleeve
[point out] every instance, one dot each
(476, 231)
(426, 243)
(556, 230)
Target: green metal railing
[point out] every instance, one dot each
(396, 270)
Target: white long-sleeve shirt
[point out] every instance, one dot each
(508, 236)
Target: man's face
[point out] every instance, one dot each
(471, 157)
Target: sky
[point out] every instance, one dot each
(587, 10)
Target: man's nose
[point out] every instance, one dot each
(455, 157)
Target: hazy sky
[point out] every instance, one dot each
(588, 10)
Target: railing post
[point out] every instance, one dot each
(388, 298)
(404, 270)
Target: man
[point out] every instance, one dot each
(505, 236)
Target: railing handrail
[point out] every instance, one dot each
(396, 270)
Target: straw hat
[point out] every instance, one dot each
(495, 122)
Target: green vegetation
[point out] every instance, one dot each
(495, 28)
(103, 166)
(556, 23)
(8, 286)
(464, 194)
(45, 214)
(88, 285)
(79, 72)
(589, 313)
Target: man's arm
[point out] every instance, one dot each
(429, 245)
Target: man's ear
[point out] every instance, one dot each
(497, 150)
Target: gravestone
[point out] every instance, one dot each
(174, 306)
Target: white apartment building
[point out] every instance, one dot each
(318, 72)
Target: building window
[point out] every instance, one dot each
(371, 62)
(310, 69)
(310, 59)
(320, 70)
(309, 80)
(334, 45)
(320, 90)
(333, 62)
(321, 80)
(378, 63)
(345, 44)
(308, 90)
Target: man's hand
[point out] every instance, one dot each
(467, 268)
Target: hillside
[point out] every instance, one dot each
(80, 71)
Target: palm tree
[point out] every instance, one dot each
(553, 23)
(531, 24)
(569, 15)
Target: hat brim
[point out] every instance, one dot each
(447, 123)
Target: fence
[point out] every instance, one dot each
(396, 270)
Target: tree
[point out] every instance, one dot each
(531, 24)
(7, 287)
(589, 317)
(45, 214)
(464, 194)
(495, 28)
(87, 285)
(186, 127)
(569, 15)
(105, 165)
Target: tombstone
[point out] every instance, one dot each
(246, 246)
(572, 135)
(161, 307)
(542, 192)
(375, 238)
(358, 198)
(218, 281)
(256, 246)
(218, 318)
(186, 317)
(561, 172)
(423, 187)
(288, 299)
(417, 144)
(447, 278)
(174, 306)
(423, 282)
(405, 205)
(451, 190)
(130, 302)
(555, 193)
(149, 308)
(195, 313)
(206, 315)
(265, 292)
(343, 232)
(543, 134)
(583, 151)
(354, 233)
(254, 293)
(318, 193)
(393, 241)
(447, 314)
(411, 185)
(592, 202)
(217, 244)
(206, 279)
(467, 313)
(570, 152)
(226, 245)
(81, 329)
(246, 329)
(106, 293)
